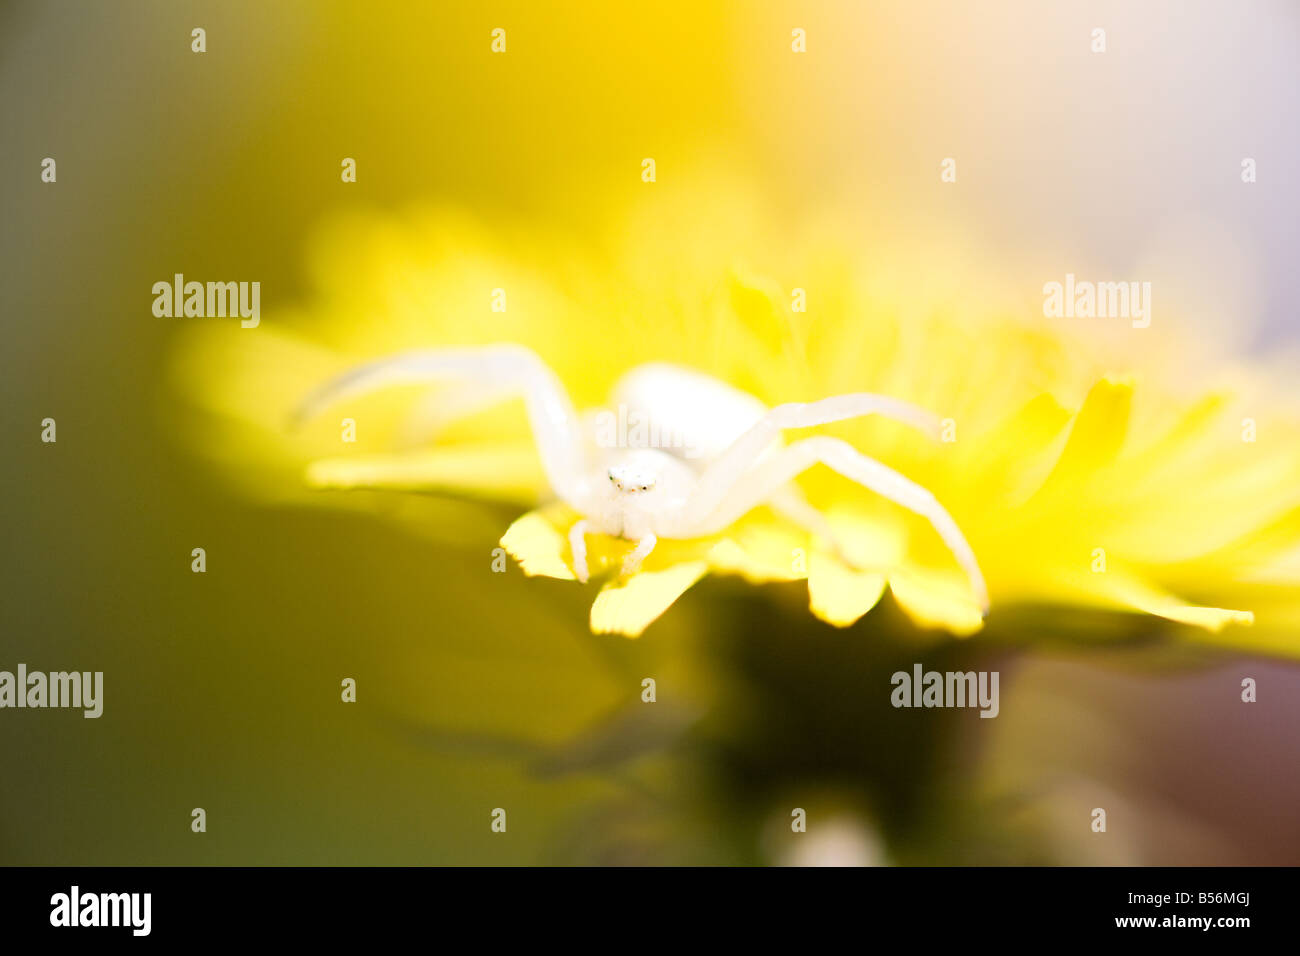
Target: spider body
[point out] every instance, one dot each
(726, 455)
(633, 495)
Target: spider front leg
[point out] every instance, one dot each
(578, 545)
(631, 563)
(491, 373)
(644, 545)
(756, 486)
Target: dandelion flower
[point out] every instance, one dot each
(1081, 481)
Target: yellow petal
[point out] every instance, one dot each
(538, 547)
(839, 595)
(1152, 600)
(761, 551)
(727, 557)
(1191, 436)
(1009, 463)
(935, 599)
(1098, 432)
(1212, 619)
(629, 607)
(256, 382)
(870, 540)
(489, 470)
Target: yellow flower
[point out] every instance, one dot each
(1081, 480)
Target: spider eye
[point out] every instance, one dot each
(645, 487)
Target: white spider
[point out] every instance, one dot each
(729, 456)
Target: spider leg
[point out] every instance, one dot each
(742, 453)
(499, 369)
(757, 486)
(631, 563)
(578, 545)
(644, 545)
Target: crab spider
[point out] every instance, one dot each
(644, 494)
